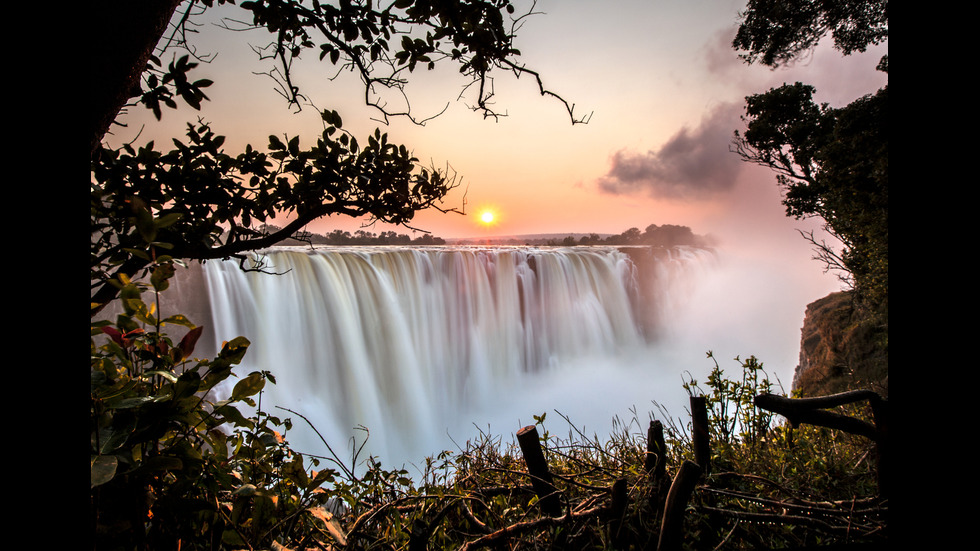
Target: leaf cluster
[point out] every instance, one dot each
(774, 32)
(173, 464)
(163, 86)
(732, 414)
(381, 43)
(831, 163)
(199, 202)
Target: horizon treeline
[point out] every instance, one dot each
(359, 237)
(667, 235)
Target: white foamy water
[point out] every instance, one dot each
(421, 344)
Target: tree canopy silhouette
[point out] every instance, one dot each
(197, 201)
(774, 32)
(830, 162)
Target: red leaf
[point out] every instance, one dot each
(115, 334)
(187, 344)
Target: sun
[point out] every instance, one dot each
(486, 217)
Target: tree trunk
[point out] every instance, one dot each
(122, 37)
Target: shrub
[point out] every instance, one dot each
(774, 485)
(173, 466)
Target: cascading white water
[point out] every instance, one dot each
(415, 343)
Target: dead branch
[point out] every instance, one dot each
(810, 410)
(526, 527)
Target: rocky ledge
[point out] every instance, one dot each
(840, 349)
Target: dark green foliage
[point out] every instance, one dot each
(668, 235)
(162, 86)
(831, 163)
(176, 462)
(206, 204)
(378, 43)
(731, 411)
(774, 32)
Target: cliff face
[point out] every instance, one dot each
(840, 350)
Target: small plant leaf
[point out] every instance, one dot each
(103, 469)
(248, 386)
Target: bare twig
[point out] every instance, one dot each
(335, 459)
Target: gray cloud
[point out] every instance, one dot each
(693, 164)
(720, 58)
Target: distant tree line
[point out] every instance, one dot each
(668, 235)
(359, 237)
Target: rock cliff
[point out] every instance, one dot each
(840, 349)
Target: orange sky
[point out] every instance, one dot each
(665, 91)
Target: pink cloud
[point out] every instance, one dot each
(695, 163)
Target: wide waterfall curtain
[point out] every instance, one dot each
(402, 340)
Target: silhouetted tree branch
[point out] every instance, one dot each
(198, 202)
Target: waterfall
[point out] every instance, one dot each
(417, 343)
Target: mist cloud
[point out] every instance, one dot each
(693, 164)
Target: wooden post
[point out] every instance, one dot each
(672, 525)
(418, 538)
(702, 435)
(537, 467)
(655, 463)
(620, 498)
